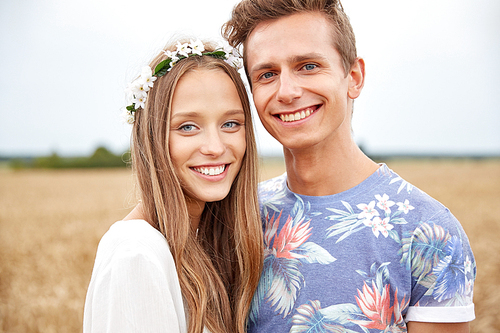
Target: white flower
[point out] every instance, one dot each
(384, 202)
(172, 55)
(405, 207)
(139, 101)
(127, 116)
(384, 226)
(232, 55)
(197, 47)
(379, 226)
(147, 78)
(228, 50)
(368, 211)
(239, 63)
(183, 49)
(235, 61)
(136, 88)
(372, 224)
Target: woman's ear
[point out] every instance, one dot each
(356, 78)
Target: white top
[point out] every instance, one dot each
(134, 285)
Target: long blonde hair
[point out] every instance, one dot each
(219, 265)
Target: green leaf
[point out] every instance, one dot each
(162, 68)
(217, 54)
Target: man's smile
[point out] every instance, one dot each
(297, 115)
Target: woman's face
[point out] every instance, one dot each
(207, 134)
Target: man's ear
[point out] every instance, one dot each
(356, 78)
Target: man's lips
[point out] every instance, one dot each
(297, 115)
(210, 170)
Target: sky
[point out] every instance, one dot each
(432, 72)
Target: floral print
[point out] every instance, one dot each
(405, 206)
(358, 261)
(281, 279)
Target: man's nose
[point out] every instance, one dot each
(288, 89)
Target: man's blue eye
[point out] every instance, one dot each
(309, 67)
(267, 75)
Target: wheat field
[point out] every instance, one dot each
(51, 223)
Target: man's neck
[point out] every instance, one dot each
(327, 170)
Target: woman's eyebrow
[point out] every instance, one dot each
(235, 111)
(191, 114)
(195, 114)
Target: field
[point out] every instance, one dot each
(51, 223)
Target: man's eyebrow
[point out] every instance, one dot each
(259, 67)
(292, 59)
(307, 56)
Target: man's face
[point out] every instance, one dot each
(299, 87)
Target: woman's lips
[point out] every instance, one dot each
(210, 170)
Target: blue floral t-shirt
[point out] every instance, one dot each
(368, 259)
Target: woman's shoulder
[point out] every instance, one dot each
(136, 230)
(133, 239)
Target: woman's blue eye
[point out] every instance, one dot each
(187, 128)
(309, 67)
(230, 124)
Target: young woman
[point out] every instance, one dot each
(188, 257)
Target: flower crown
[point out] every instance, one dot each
(137, 91)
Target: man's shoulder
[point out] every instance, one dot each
(271, 187)
(396, 193)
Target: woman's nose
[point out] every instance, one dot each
(213, 144)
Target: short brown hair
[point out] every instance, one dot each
(249, 13)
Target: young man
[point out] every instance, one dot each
(350, 246)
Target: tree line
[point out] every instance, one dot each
(101, 158)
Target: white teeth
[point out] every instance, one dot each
(289, 117)
(211, 171)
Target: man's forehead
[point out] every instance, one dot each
(288, 33)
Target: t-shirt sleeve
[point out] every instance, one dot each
(443, 272)
(133, 290)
